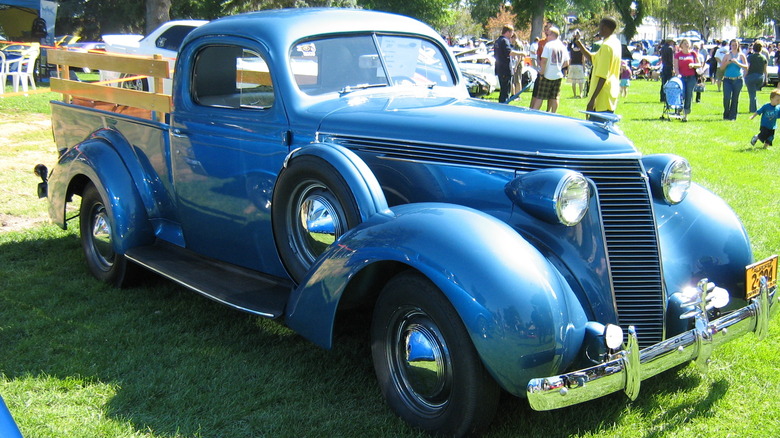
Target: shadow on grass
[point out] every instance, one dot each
(182, 365)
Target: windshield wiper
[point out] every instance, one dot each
(351, 88)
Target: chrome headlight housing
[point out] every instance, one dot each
(554, 195)
(670, 177)
(571, 199)
(676, 181)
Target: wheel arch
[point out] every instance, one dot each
(361, 180)
(702, 237)
(96, 161)
(497, 290)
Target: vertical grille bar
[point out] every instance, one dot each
(632, 245)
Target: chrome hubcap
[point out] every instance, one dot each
(319, 223)
(421, 359)
(101, 239)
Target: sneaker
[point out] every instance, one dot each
(754, 140)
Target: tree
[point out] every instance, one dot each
(502, 18)
(482, 10)
(701, 15)
(433, 12)
(632, 12)
(157, 13)
(460, 24)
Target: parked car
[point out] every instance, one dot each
(64, 40)
(8, 427)
(165, 41)
(320, 162)
(477, 85)
(478, 62)
(87, 47)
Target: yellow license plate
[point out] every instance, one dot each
(765, 268)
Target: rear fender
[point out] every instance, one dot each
(522, 316)
(96, 161)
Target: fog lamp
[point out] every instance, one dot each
(613, 336)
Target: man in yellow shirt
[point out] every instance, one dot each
(606, 69)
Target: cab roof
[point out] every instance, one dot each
(280, 28)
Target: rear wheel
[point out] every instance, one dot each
(97, 239)
(428, 369)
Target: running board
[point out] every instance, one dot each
(235, 286)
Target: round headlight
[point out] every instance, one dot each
(571, 199)
(676, 180)
(613, 336)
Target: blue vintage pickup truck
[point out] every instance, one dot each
(316, 162)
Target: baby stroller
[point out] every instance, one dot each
(673, 107)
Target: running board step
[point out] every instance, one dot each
(235, 286)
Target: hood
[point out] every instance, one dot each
(472, 123)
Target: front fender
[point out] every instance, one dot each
(97, 161)
(523, 318)
(702, 237)
(361, 180)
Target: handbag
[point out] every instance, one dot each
(698, 88)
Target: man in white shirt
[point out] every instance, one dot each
(554, 59)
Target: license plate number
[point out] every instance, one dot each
(765, 268)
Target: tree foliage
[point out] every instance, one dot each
(632, 12)
(703, 16)
(433, 12)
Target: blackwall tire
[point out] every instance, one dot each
(428, 369)
(312, 207)
(97, 236)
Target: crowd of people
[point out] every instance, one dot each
(555, 60)
(728, 65)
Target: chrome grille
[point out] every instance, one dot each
(629, 226)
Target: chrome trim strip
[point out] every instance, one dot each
(455, 148)
(622, 369)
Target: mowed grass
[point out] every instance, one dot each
(80, 359)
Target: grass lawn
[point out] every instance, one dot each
(80, 359)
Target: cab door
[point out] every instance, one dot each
(228, 143)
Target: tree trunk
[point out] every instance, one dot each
(537, 21)
(157, 13)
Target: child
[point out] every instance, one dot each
(625, 78)
(769, 113)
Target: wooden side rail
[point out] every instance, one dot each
(155, 68)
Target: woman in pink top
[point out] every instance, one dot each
(685, 64)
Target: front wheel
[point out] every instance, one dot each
(428, 369)
(97, 239)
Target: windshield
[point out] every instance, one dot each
(343, 64)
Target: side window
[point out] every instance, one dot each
(232, 77)
(172, 38)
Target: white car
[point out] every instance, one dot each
(165, 41)
(478, 62)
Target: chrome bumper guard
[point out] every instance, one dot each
(626, 369)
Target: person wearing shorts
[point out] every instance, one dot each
(554, 59)
(769, 113)
(576, 74)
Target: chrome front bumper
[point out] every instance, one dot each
(626, 369)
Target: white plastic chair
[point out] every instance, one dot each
(3, 72)
(24, 70)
